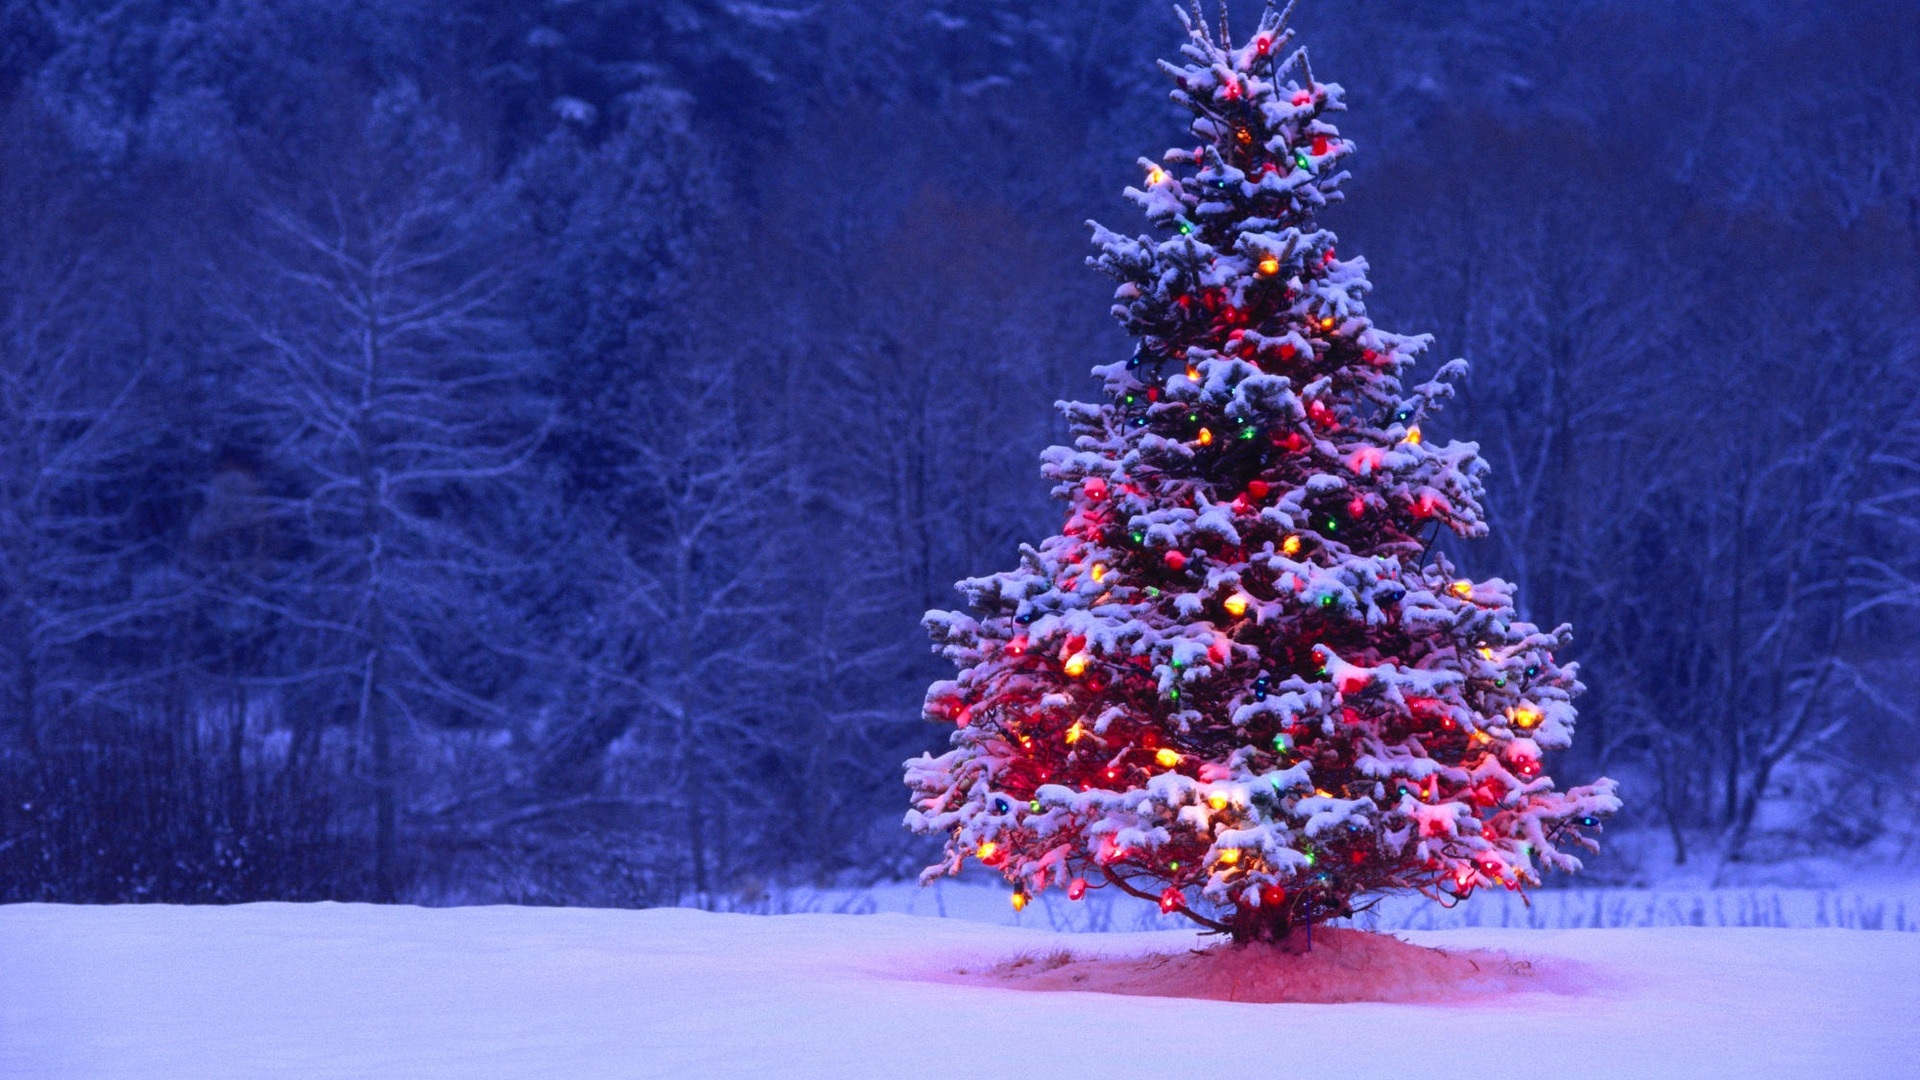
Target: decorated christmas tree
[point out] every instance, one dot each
(1241, 683)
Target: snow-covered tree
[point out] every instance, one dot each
(1240, 683)
(381, 372)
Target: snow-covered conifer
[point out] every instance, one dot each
(1238, 683)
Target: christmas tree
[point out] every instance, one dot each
(1240, 683)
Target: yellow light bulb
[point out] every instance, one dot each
(1155, 176)
(1218, 800)
(1193, 373)
(1167, 758)
(1462, 588)
(1326, 323)
(1076, 665)
(1290, 546)
(1019, 901)
(1074, 733)
(1099, 572)
(1230, 856)
(1269, 266)
(1413, 434)
(987, 849)
(1236, 604)
(1525, 718)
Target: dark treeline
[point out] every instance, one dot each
(469, 451)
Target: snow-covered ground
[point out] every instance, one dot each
(327, 990)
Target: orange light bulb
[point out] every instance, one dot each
(1236, 604)
(1206, 437)
(1269, 266)
(1290, 546)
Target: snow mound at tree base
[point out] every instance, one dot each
(1339, 966)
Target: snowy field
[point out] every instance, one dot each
(327, 990)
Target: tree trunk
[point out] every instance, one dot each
(686, 700)
(373, 716)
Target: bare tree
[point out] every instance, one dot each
(383, 384)
(74, 428)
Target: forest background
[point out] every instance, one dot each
(460, 451)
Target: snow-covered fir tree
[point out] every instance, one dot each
(1239, 683)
